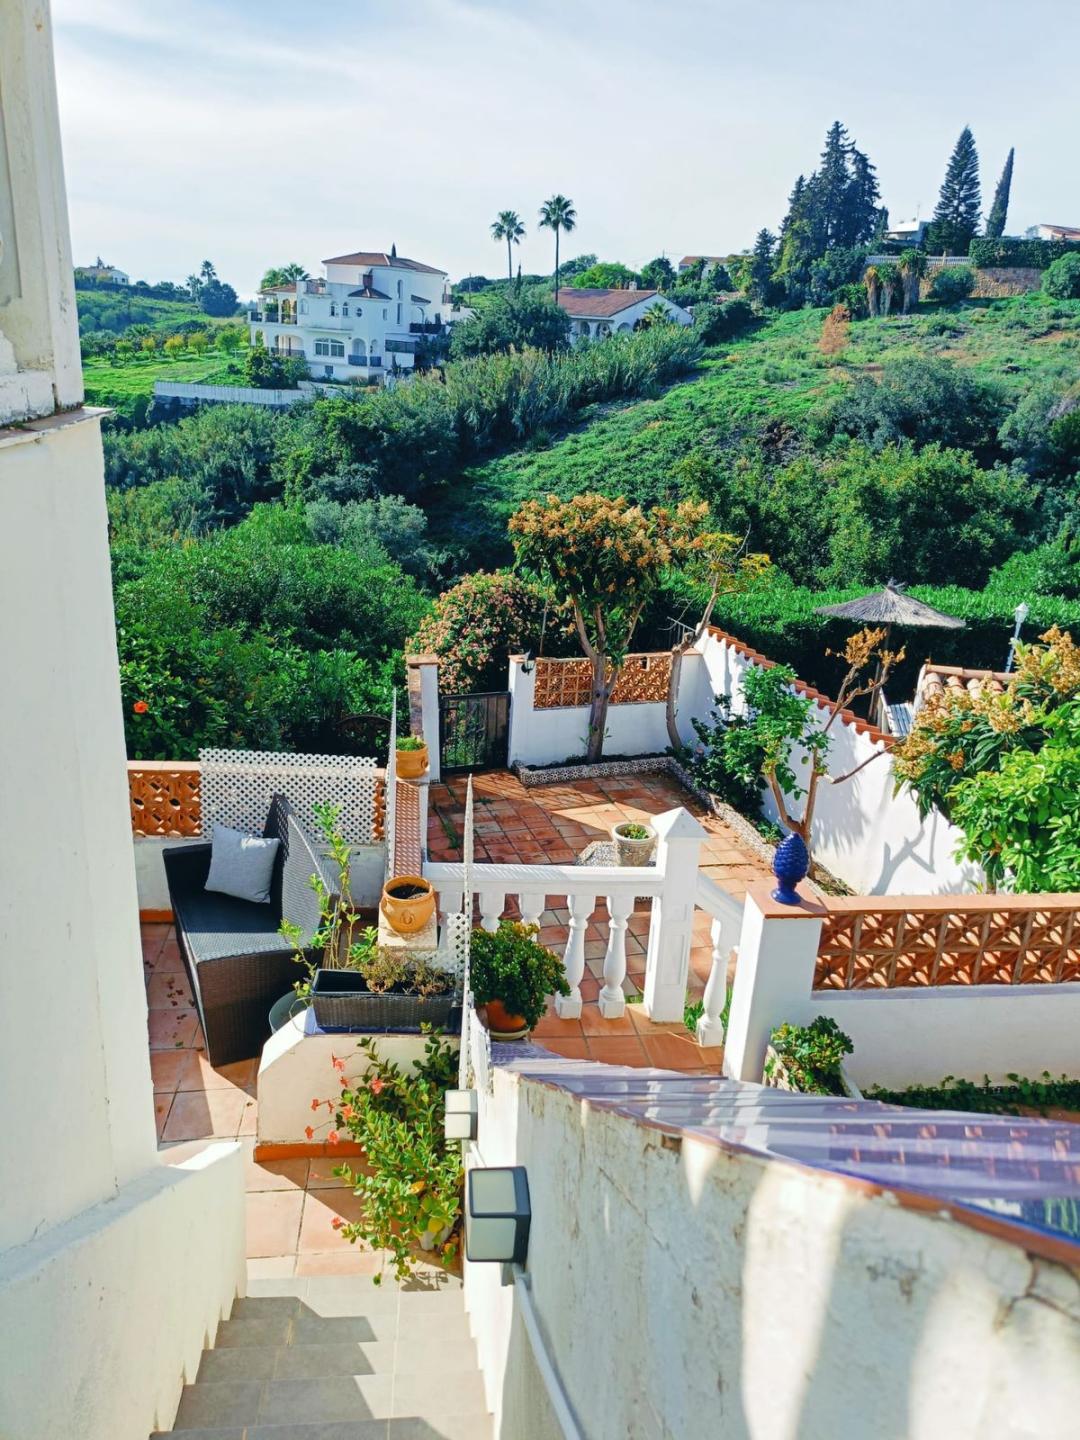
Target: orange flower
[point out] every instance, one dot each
(315, 1104)
(308, 1131)
(140, 707)
(337, 1222)
(347, 1112)
(337, 1062)
(332, 1137)
(376, 1087)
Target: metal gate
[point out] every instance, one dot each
(474, 731)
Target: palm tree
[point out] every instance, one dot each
(207, 271)
(557, 214)
(508, 227)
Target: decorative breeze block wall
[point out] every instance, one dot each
(164, 797)
(561, 684)
(238, 785)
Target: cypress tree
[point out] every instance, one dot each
(956, 218)
(999, 210)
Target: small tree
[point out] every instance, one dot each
(783, 729)
(722, 565)
(604, 559)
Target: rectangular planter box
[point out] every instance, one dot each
(342, 1001)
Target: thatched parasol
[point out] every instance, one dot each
(888, 607)
(892, 606)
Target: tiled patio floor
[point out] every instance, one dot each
(291, 1203)
(552, 824)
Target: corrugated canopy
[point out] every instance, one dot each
(892, 606)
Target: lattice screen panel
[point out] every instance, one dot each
(1018, 944)
(561, 683)
(238, 785)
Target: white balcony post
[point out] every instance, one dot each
(492, 903)
(710, 1028)
(568, 1007)
(774, 977)
(422, 679)
(668, 962)
(522, 686)
(531, 904)
(612, 1000)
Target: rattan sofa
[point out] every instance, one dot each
(237, 962)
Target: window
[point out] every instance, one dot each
(400, 289)
(303, 307)
(345, 308)
(333, 308)
(399, 312)
(333, 348)
(384, 313)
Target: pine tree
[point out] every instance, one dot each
(956, 218)
(859, 212)
(829, 187)
(999, 210)
(759, 268)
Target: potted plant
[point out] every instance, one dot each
(412, 757)
(408, 902)
(512, 974)
(635, 844)
(808, 1058)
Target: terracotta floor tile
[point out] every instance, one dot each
(248, 1116)
(273, 1222)
(172, 1029)
(672, 1052)
(199, 1114)
(321, 1173)
(199, 1074)
(593, 1023)
(165, 1068)
(616, 1049)
(162, 1106)
(272, 1174)
(345, 1260)
(549, 1026)
(321, 1208)
(168, 990)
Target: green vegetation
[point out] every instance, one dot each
(1019, 1097)
(810, 1056)
(510, 965)
(127, 385)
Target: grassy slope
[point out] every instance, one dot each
(108, 384)
(776, 373)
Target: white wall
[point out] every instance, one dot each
(686, 1291)
(868, 837)
(105, 1317)
(543, 737)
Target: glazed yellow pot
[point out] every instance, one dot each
(411, 764)
(408, 902)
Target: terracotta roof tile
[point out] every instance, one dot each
(380, 257)
(599, 304)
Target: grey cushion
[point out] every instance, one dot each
(241, 865)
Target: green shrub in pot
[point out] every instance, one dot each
(510, 966)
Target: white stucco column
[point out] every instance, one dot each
(774, 977)
(522, 687)
(423, 686)
(668, 961)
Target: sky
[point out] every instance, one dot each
(255, 132)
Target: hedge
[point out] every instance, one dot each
(781, 622)
(1010, 252)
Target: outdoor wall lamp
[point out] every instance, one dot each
(497, 1215)
(528, 663)
(459, 1119)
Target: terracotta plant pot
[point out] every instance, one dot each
(634, 852)
(502, 1025)
(408, 902)
(411, 764)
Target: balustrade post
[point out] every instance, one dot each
(491, 907)
(710, 1028)
(774, 978)
(531, 904)
(670, 930)
(568, 1007)
(612, 1000)
(422, 681)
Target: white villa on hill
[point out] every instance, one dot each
(596, 313)
(361, 320)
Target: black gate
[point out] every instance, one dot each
(474, 731)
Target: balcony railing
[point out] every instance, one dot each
(427, 327)
(366, 360)
(293, 354)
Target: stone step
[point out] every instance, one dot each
(449, 1427)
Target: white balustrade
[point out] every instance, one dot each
(612, 1000)
(568, 1007)
(492, 903)
(710, 1028)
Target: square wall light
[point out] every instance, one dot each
(497, 1215)
(460, 1116)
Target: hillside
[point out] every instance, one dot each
(123, 385)
(113, 311)
(776, 374)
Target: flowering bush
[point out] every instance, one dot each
(474, 626)
(1005, 767)
(411, 1184)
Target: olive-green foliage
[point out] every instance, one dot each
(1019, 1097)
(1062, 279)
(513, 322)
(952, 283)
(922, 400)
(511, 965)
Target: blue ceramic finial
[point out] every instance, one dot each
(790, 864)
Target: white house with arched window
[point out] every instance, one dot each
(596, 313)
(364, 319)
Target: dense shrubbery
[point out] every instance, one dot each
(1062, 279)
(477, 624)
(256, 637)
(921, 400)
(512, 322)
(952, 283)
(1010, 251)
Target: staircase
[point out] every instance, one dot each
(335, 1358)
